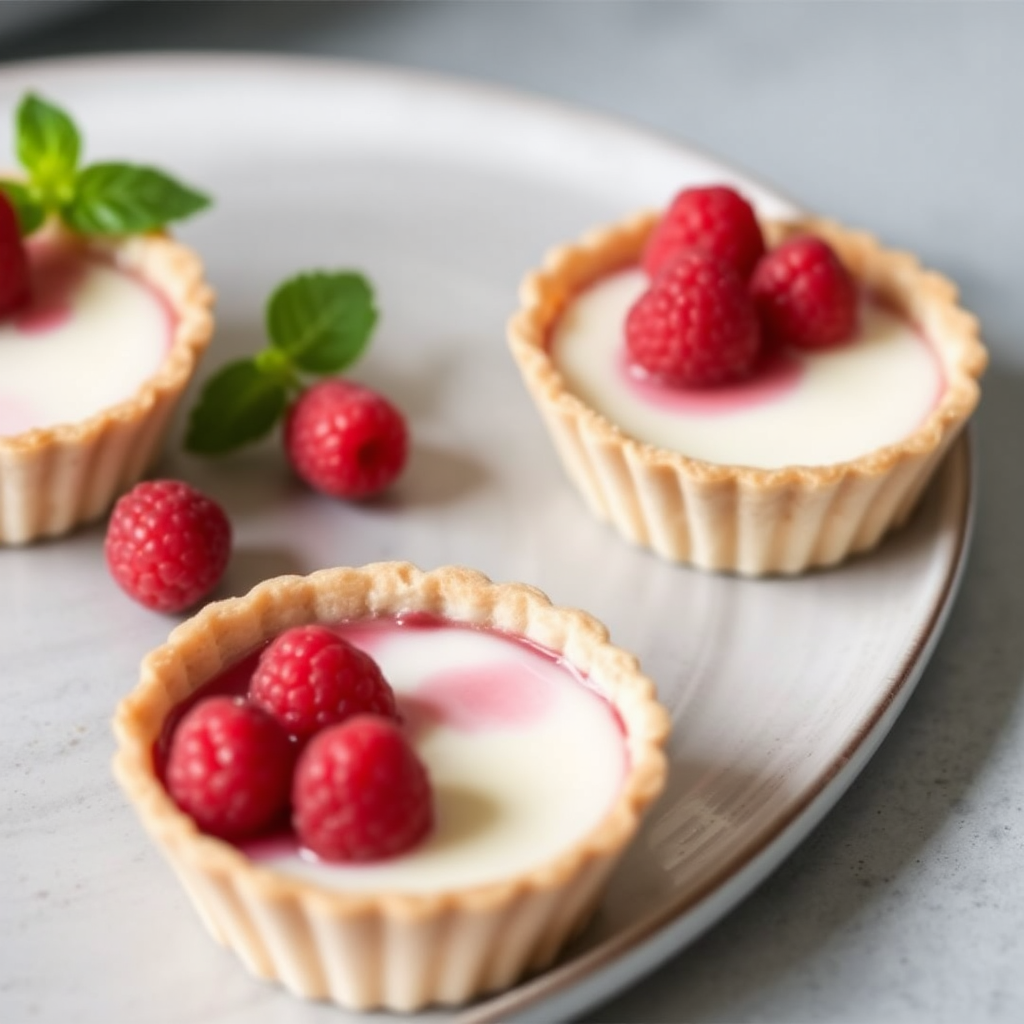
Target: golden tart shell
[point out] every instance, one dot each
(53, 479)
(735, 518)
(392, 950)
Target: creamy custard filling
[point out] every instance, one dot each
(803, 409)
(524, 758)
(92, 334)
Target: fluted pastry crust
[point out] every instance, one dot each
(387, 949)
(735, 518)
(54, 478)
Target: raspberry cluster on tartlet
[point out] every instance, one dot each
(727, 515)
(396, 946)
(57, 476)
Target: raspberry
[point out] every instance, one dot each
(695, 325)
(229, 767)
(167, 545)
(360, 793)
(345, 440)
(15, 288)
(804, 296)
(309, 678)
(715, 220)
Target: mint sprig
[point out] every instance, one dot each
(125, 199)
(99, 199)
(48, 146)
(318, 323)
(321, 321)
(239, 404)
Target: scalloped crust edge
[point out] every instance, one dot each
(737, 519)
(55, 478)
(390, 950)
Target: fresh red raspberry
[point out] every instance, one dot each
(695, 325)
(15, 285)
(230, 767)
(716, 220)
(167, 545)
(804, 295)
(309, 678)
(345, 440)
(360, 792)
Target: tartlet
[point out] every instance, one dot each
(394, 949)
(737, 518)
(57, 477)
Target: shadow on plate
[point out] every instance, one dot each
(437, 476)
(252, 565)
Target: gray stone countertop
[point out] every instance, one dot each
(907, 904)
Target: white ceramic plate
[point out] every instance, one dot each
(444, 193)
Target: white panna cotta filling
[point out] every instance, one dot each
(808, 408)
(91, 336)
(524, 759)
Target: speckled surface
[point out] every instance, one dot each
(907, 903)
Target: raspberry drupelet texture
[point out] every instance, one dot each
(15, 286)
(309, 678)
(716, 220)
(345, 440)
(167, 544)
(229, 767)
(695, 325)
(804, 295)
(360, 793)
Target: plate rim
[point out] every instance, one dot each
(104, 63)
(752, 866)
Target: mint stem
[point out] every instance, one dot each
(276, 365)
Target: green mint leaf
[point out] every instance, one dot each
(126, 199)
(238, 404)
(30, 212)
(321, 321)
(48, 148)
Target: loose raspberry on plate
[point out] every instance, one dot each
(167, 544)
(15, 287)
(804, 295)
(695, 325)
(716, 220)
(229, 767)
(345, 440)
(309, 678)
(360, 792)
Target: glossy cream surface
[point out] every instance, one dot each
(524, 759)
(92, 334)
(806, 409)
